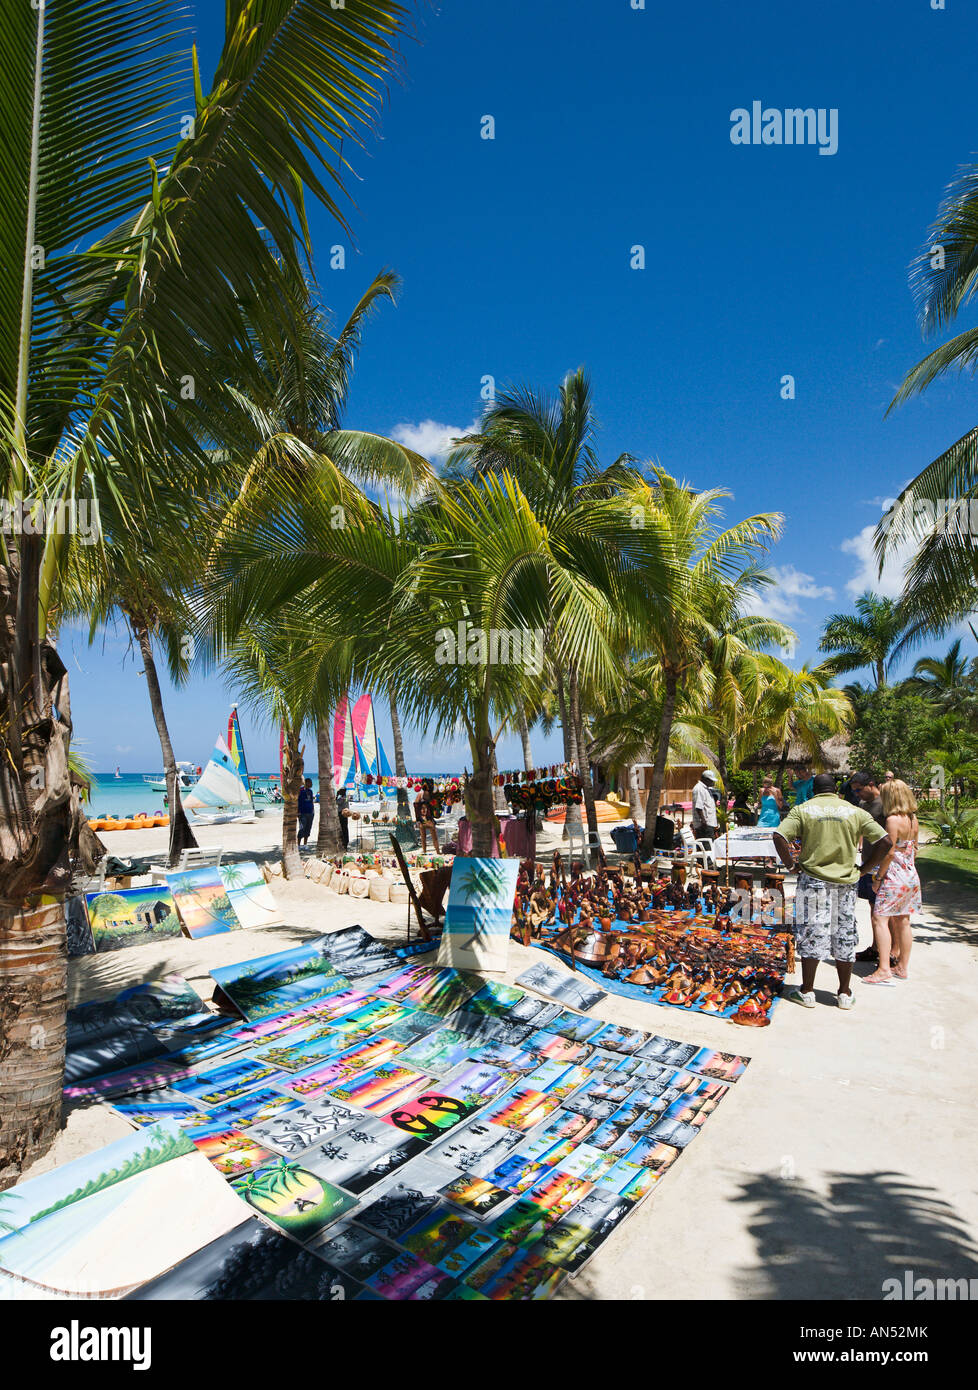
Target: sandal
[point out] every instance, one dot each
(899, 973)
(878, 978)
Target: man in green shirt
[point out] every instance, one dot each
(830, 830)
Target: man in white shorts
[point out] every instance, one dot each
(830, 830)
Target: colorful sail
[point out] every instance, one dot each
(220, 784)
(383, 766)
(365, 730)
(344, 747)
(236, 746)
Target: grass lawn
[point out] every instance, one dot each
(939, 864)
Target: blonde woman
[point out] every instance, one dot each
(897, 884)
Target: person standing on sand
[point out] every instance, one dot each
(825, 899)
(867, 792)
(704, 819)
(344, 815)
(307, 811)
(772, 805)
(897, 884)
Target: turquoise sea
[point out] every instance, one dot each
(129, 795)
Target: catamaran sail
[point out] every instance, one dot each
(220, 787)
(365, 731)
(236, 746)
(344, 748)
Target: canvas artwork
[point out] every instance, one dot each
(355, 948)
(479, 914)
(202, 901)
(252, 1263)
(427, 1138)
(296, 1199)
(81, 942)
(132, 917)
(272, 985)
(102, 1225)
(249, 895)
(566, 989)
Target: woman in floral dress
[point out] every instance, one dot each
(897, 884)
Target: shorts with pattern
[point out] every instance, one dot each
(825, 919)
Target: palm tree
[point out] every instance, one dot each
(108, 346)
(671, 620)
(948, 680)
(547, 443)
(799, 706)
(872, 636)
(938, 507)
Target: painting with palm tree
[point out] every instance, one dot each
(294, 1198)
(479, 914)
(93, 1228)
(202, 901)
(249, 894)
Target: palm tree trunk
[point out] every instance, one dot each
(525, 740)
(33, 1003)
(634, 798)
(570, 741)
(577, 724)
(478, 793)
(661, 757)
(782, 766)
(400, 766)
(328, 838)
(291, 782)
(181, 835)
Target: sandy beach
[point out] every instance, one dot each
(842, 1157)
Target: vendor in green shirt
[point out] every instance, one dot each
(830, 830)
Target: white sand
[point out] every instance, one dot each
(843, 1156)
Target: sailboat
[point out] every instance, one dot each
(357, 750)
(222, 791)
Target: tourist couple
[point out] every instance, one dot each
(830, 830)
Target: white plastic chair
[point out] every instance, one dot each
(700, 851)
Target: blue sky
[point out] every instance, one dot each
(612, 129)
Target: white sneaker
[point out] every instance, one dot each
(846, 1001)
(797, 996)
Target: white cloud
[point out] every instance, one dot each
(867, 576)
(782, 599)
(431, 439)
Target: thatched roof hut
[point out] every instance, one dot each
(836, 756)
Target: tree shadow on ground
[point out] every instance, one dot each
(951, 909)
(868, 1228)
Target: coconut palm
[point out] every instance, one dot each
(941, 584)
(949, 681)
(872, 636)
(108, 344)
(799, 706)
(671, 620)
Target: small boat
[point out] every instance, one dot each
(187, 773)
(222, 792)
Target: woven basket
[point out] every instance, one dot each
(399, 893)
(340, 882)
(359, 887)
(379, 889)
(328, 871)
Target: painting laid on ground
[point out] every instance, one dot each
(132, 917)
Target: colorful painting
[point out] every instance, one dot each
(202, 901)
(295, 1199)
(431, 1115)
(132, 917)
(222, 1084)
(479, 914)
(102, 1225)
(272, 985)
(249, 895)
(232, 1152)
